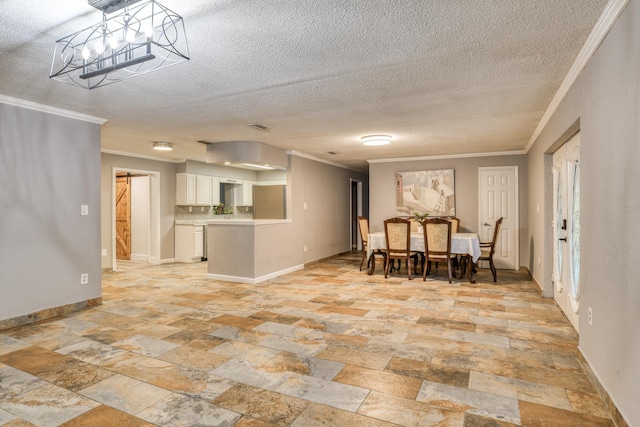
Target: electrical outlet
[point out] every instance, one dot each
(305, 248)
(590, 316)
(84, 278)
(84, 209)
(104, 252)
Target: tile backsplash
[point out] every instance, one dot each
(204, 212)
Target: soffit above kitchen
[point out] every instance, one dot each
(442, 78)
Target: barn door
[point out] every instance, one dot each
(123, 217)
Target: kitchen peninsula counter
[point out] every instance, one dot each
(251, 251)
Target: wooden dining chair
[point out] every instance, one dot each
(455, 228)
(455, 223)
(487, 249)
(363, 225)
(437, 244)
(397, 233)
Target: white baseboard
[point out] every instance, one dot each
(167, 260)
(141, 257)
(250, 280)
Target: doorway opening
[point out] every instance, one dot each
(355, 212)
(135, 217)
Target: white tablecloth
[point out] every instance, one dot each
(461, 243)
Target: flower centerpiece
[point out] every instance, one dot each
(420, 218)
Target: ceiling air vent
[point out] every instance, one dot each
(259, 127)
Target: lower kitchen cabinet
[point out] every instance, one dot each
(189, 243)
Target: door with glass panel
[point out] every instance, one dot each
(566, 228)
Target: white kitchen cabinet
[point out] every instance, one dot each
(203, 190)
(189, 243)
(215, 190)
(185, 189)
(192, 189)
(198, 235)
(272, 182)
(247, 193)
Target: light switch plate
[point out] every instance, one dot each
(84, 209)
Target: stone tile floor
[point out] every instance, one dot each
(328, 345)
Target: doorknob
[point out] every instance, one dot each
(486, 225)
(564, 239)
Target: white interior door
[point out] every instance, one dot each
(566, 228)
(498, 198)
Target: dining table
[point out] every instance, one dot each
(465, 244)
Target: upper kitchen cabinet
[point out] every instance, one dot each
(192, 189)
(215, 190)
(203, 190)
(247, 193)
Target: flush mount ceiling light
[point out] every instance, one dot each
(162, 146)
(137, 40)
(376, 139)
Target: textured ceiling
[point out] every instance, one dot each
(442, 77)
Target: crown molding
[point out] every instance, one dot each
(607, 19)
(17, 102)
(449, 156)
(316, 159)
(142, 156)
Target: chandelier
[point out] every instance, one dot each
(139, 39)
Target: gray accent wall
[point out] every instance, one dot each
(605, 100)
(49, 167)
(325, 224)
(383, 190)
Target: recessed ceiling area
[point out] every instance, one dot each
(443, 78)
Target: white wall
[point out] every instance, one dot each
(49, 166)
(140, 217)
(606, 102)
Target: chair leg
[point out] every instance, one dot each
(387, 262)
(364, 255)
(449, 269)
(493, 269)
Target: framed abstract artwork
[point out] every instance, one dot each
(431, 192)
